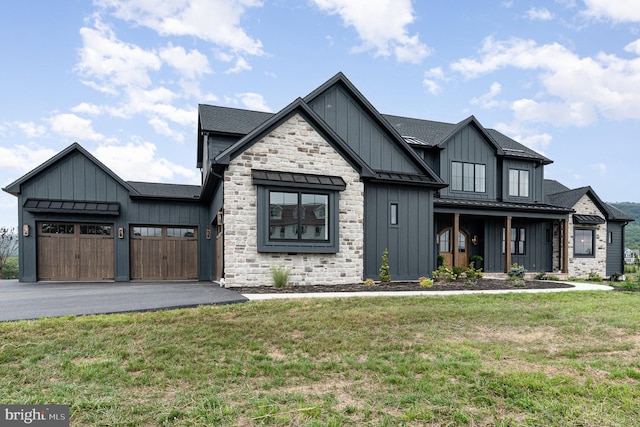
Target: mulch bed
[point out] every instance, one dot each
(481, 284)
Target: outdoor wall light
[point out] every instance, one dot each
(120, 232)
(474, 239)
(25, 230)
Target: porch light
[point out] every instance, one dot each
(474, 239)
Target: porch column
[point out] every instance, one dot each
(565, 246)
(454, 239)
(507, 244)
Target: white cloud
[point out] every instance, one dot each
(575, 90)
(216, 21)
(74, 127)
(614, 10)
(162, 127)
(541, 14)
(86, 108)
(488, 99)
(240, 65)
(111, 64)
(190, 65)
(253, 101)
(381, 26)
(633, 47)
(432, 80)
(601, 168)
(23, 158)
(139, 162)
(530, 137)
(31, 130)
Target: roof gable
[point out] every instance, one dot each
(74, 149)
(569, 198)
(341, 105)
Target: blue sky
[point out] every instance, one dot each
(124, 78)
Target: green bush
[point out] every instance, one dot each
(444, 273)
(473, 273)
(10, 269)
(594, 277)
(385, 273)
(516, 271)
(369, 282)
(425, 282)
(280, 276)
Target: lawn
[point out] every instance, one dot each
(566, 359)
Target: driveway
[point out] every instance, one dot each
(20, 301)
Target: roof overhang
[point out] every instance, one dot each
(72, 207)
(587, 219)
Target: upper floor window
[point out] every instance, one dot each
(518, 183)
(468, 177)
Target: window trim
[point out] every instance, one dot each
(394, 212)
(265, 244)
(518, 246)
(592, 231)
(518, 183)
(479, 183)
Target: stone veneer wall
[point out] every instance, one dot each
(580, 266)
(293, 147)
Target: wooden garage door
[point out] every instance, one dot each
(164, 253)
(75, 252)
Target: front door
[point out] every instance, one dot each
(445, 248)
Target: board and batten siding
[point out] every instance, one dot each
(410, 242)
(615, 248)
(469, 146)
(359, 130)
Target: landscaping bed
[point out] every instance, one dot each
(457, 285)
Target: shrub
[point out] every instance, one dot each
(280, 276)
(516, 271)
(369, 282)
(594, 277)
(473, 273)
(554, 278)
(615, 277)
(457, 271)
(425, 282)
(444, 273)
(541, 276)
(385, 274)
(630, 286)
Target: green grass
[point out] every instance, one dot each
(566, 359)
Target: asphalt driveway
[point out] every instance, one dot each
(19, 301)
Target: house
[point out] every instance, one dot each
(323, 186)
(631, 256)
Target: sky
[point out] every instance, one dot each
(124, 78)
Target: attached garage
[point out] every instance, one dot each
(75, 251)
(164, 253)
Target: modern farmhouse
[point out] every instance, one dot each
(323, 187)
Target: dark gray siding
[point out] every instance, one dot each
(538, 245)
(469, 146)
(358, 129)
(78, 178)
(536, 180)
(410, 243)
(615, 248)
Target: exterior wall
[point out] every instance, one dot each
(582, 266)
(410, 242)
(615, 248)
(469, 146)
(355, 125)
(293, 147)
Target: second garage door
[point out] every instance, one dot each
(164, 253)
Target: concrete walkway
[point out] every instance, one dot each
(576, 287)
(22, 301)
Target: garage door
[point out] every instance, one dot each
(164, 253)
(75, 252)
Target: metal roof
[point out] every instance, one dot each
(72, 207)
(291, 178)
(587, 219)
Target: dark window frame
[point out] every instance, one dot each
(478, 184)
(579, 250)
(518, 183)
(394, 213)
(266, 244)
(518, 241)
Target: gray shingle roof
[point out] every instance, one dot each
(166, 191)
(230, 120)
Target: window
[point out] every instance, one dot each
(297, 212)
(518, 183)
(468, 177)
(393, 214)
(48, 228)
(147, 231)
(610, 237)
(103, 230)
(181, 232)
(583, 242)
(301, 216)
(517, 238)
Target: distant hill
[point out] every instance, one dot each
(631, 231)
